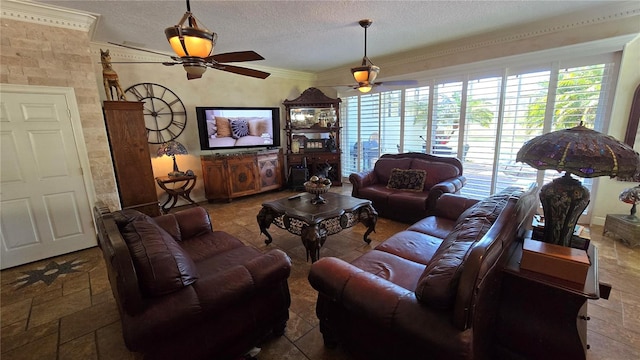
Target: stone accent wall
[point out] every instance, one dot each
(34, 54)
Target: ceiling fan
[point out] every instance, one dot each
(193, 46)
(366, 74)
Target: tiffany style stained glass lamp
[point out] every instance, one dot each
(582, 152)
(173, 148)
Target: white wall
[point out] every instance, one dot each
(606, 200)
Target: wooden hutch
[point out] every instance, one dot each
(313, 137)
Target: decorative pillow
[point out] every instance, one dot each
(410, 180)
(162, 265)
(224, 129)
(257, 127)
(239, 128)
(212, 129)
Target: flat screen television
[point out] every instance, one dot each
(238, 127)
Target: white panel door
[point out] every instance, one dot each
(44, 206)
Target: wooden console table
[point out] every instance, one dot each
(543, 317)
(181, 190)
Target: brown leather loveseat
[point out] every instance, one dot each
(185, 291)
(428, 292)
(401, 200)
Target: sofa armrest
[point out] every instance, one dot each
(451, 206)
(394, 307)
(270, 268)
(237, 282)
(362, 180)
(356, 289)
(449, 186)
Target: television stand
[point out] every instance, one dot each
(230, 176)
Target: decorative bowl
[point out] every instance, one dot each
(317, 189)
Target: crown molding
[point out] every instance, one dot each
(49, 15)
(125, 54)
(523, 32)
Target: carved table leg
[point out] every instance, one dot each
(313, 237)
(265, 218)
(368, 217)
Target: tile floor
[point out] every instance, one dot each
(62, 308)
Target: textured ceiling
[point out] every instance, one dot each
(316, 35)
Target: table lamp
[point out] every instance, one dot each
(173, 148)
(631, 196)
(582, 152)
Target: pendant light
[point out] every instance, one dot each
(365, 74)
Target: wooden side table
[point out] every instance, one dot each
(624, 227)
(543, 317)
(182, 188)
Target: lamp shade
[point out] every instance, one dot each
(580, 151)
(190, 41)
(631, 196)
(172, 148)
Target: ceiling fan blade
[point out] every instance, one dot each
(242, 71)
(139, 49)
(397, 83)
(237, 56)
(143, 62)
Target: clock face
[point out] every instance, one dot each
(165, 116)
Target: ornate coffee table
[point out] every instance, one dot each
(314, 223)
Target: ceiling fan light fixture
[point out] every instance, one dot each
(365, 74)
(364, 88)
(194, 69)
(191, 40)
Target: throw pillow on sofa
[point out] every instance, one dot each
(239, 128)
(410, 180)
(223, 126)
(162, 265)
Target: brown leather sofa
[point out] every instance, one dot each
(443, 175)
(429, 292)
(185, 291)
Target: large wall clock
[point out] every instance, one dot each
(165, 116)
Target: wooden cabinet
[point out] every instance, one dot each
(131, 158)
(543, 317)
(313, 136)
(231, 176)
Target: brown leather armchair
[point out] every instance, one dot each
(185, 291)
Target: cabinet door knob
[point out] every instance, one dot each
(585, 317)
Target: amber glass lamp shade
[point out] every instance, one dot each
(190, 41)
